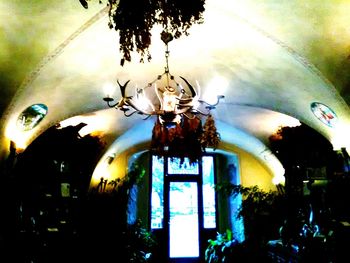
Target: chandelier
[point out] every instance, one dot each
(172, 102)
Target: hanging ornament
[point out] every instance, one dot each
(210, 137)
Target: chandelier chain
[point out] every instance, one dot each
(174, 102)
(167, 70)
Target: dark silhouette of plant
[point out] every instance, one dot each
(134, 19)
(261, 211)
(182, 140)
(221, 249)
(114, 183)
(210, 136)
(301, 146)
(139, 243)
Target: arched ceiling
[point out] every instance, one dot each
(271, 60)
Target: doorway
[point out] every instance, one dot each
(183, 206)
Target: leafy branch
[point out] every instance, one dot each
(134, 19)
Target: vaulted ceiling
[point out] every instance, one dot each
(271, 59)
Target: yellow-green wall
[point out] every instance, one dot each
(250, 170)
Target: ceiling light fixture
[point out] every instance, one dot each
(172, 101)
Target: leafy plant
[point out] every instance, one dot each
(133, 177)
(261, 210)
(134, 19)
(220, 249)
(255, 200)
(186, 139)
(181, 140)
(135, 243)
(301, 147)
(139, 243)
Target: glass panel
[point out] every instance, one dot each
(175, 166)
(31, 116)
(157, 200)
(208, 192)
(183, 228)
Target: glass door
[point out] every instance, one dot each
(183, 207)
(183, 220)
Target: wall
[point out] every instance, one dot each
(249, 170)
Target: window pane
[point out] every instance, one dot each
(157, 200)
(31, 116)
(183, 227)
(176, 167)
(208, 192)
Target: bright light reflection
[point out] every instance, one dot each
(101, 171)
(93, 124)
(108, 89)
(209, 208)
(276, 167)
(20, 138)
(217, 86)
(183, 227)
(340, 138)
(278, 179)
(142, 102)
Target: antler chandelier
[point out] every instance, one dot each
(173, 101)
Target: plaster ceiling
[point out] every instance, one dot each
(271, 60)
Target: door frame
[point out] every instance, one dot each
(181, 178)
(163, 233)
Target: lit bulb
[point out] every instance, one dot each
(108, 90)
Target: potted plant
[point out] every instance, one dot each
(221, 249)
(262, 214)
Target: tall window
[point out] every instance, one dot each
(209, 207)
(157, 196)
(174, 166)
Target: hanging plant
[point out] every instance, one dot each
(210, 137)
(134, 20)
(181, 140)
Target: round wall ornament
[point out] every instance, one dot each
(324, 113)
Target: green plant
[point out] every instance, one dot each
(255, 200)
(261, 211)
(122, 186)
(135, 243)
(220, 249)
(139, 243)
(134, 176)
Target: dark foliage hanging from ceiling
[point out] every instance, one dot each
(301, 146)
(181, 140)
(189, 138)
(134, 19)
(210, 136)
